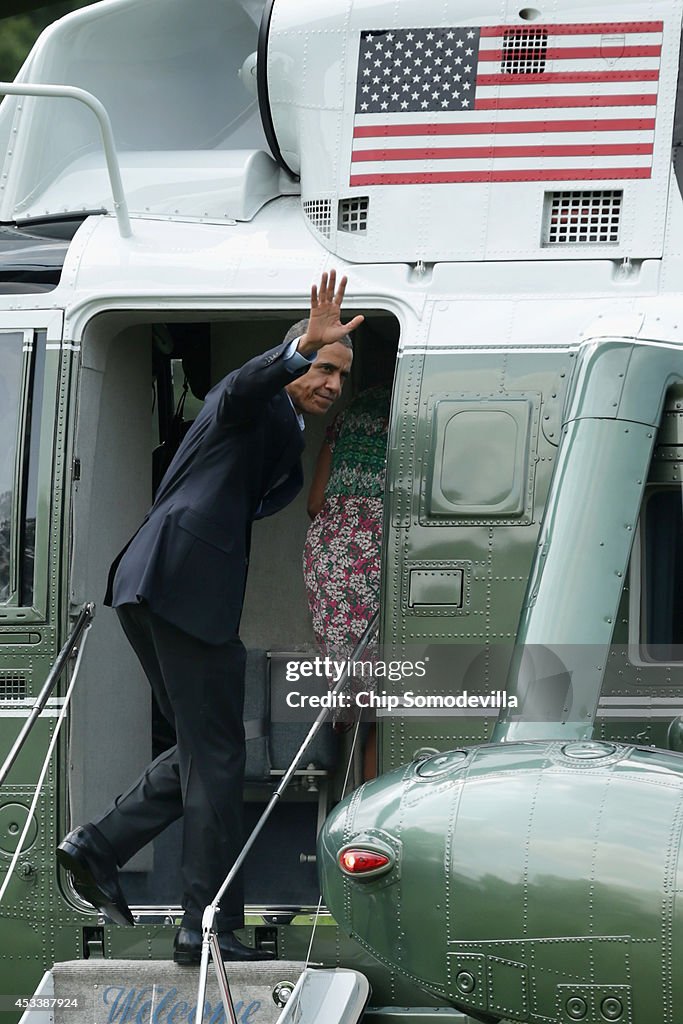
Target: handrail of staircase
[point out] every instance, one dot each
(84, 619)
(210, 942)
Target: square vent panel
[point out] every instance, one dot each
(583, 218)
(525, 51)
(13, 686)
(353, 214)
(319, 212)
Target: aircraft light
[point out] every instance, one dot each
(355, 861)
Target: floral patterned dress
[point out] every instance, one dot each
(342, 551)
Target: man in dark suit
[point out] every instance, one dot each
(178, 588)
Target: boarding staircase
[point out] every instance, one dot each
(161, 992)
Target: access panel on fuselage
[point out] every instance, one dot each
(471, 454)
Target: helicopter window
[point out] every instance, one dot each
(661, 617)
(470, 446)
(11, 377)
(32, 429)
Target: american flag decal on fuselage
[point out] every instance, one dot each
(506, 103)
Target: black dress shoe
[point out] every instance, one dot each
(90, 859)
(187, 948)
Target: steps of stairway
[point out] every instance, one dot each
(162, 992)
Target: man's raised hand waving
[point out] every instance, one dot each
(325, 326)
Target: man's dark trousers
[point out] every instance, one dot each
(200, 690)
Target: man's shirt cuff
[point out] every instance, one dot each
(295, 360)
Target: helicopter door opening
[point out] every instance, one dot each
(141, 384)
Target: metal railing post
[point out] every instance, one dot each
(100, 112)
(84, 619)
(210, 941)
(79, 634)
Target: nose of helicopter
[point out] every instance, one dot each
(380, 877)
(439, 867)
(358, 855)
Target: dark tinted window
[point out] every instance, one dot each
(30, 470)
(662, 591)
(11, 377)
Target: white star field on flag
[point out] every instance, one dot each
(411, 70)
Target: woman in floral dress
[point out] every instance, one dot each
(342, 551)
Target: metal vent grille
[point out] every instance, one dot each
(13, 686)
(583, 218)
(525, 51)
(353, 214)
(319, 212)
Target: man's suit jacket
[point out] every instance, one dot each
(239, 461)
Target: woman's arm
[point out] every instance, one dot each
(321, 475)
